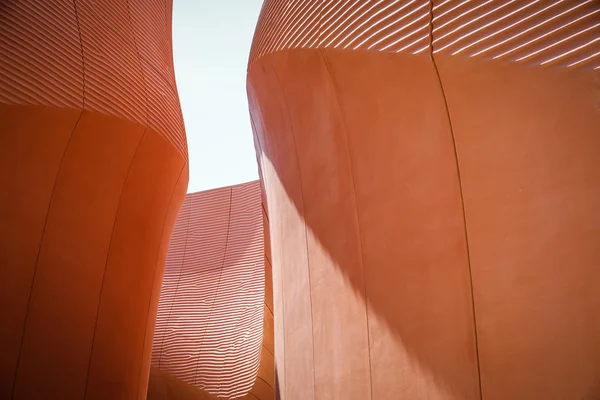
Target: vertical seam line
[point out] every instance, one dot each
(277, 385)
(154, 275)
(218, 287)
(187, 231)
(462, 199)
(110, 243)
(360, 239)
(37, 260)
(139, 58)
(312, 328)
(39, 252)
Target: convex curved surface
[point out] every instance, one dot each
(432, 178)
(93, 171)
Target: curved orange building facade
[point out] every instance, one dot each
(209, 329)
(432, 182)
(93, 165)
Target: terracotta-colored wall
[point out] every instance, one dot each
(93, 170)
(212, 337)
(432, 179)
(209, 326)
(264, 387)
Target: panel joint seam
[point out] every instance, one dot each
(312, 329)
(110, 243)
(462, 199)
(360, 240)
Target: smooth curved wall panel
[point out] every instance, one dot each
(518, 78)
(431, 198)
(93, 171)
(209, 327)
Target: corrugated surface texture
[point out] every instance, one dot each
(432, 199)
(210, 316)
(562, 33)
(112, 57)
(392, 26)
(93, 171)
(558, 32)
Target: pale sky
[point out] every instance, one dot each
(211, 43)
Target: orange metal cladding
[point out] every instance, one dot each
(432, 176)
(209, 329)
(93, 171)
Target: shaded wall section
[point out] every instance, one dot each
(213, 308)
(93, 171)
(430, 175)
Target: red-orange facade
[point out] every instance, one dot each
(93, 171)
(432, 179)
(209, 329)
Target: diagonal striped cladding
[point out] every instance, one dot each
(382, 25)
(562, 33)
(210, 315)
(41, 59)
(113, 57)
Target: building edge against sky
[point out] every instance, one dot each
(94, 168)
(431, 173)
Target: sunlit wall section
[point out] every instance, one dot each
(430, 170)
(211, 309)
(392, 26)
(520, 80)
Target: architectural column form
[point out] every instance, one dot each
(432, 178)
(93, 171)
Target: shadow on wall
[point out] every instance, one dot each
(366, 218)
(368, 181)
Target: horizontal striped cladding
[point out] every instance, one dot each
(112, 57)
(152, 23)
(171, 276)
(191, 282)
(562, 33)
(392, 26)
(41, 62)
(113, 74)
(376, 25)
(210, 317)
(164, 111)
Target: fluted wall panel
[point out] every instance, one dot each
(539, 33)
(34, 35)
(115, 55)
(210, 317)
(93, 168)
(391, 26)
(561, 33)
(431, 207)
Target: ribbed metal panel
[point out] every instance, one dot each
(384, 25)
(563, 33)
(210, 316)
(112, 57)
(41, 59)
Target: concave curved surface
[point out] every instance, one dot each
(209, 330)
(93, 167)
(433, 215)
